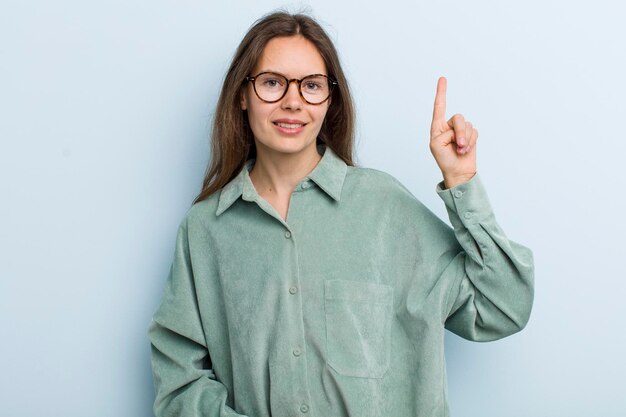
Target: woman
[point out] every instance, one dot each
(305, 286)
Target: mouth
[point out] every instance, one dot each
(288, 126)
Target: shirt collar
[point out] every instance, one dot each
(328, 174)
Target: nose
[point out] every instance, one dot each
(292, 99)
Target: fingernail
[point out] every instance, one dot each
(461, 141)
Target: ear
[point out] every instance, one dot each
(242, 100)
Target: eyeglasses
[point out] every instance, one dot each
(271, 87)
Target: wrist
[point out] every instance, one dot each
(453, 181)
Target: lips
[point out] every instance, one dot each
(289, 126)
(289, 123)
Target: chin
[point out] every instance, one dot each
(288, 146)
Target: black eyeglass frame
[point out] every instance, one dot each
(331, 85)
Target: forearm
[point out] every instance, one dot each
(495, 276)
(183, 387)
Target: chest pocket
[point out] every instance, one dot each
(358, 327)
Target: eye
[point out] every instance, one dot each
(312, 85)
(272, 81)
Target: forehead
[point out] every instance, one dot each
(293, 56)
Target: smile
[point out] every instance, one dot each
(289, 125)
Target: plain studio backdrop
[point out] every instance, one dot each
(105, 109)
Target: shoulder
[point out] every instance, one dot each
(377, 183)
(384, 195)
(201, 214)
(374, 188)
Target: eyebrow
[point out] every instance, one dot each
(280, 73)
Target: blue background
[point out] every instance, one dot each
(105, 111)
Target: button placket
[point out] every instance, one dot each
(291, 385)
(298, 393)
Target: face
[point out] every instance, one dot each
(291, 125)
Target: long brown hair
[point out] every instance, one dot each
(232, 142)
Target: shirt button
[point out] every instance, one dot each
(293, 290)
(458, 194)
(306, 185)
(287, 234)
(467, 215)
(304, 408)
(297, 352)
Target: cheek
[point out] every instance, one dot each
(258, 115)
(321, 115)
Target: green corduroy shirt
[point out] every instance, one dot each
(338, 311)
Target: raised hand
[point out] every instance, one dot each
(452, 142)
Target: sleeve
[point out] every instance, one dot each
(493, 277)
(184, 383)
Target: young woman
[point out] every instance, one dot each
(305, 286)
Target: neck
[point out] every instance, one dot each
(278, 174)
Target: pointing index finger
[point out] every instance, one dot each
(439, 111)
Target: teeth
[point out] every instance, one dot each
(289, 125)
